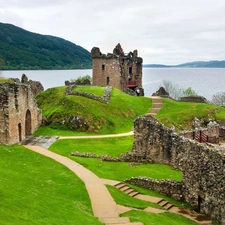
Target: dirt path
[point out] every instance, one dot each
(98, 136)
(103, 205)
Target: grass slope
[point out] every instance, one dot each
(116, 117)
(181, 114)
(37, 190)
(112, 170)
(158, 219)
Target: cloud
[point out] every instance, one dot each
(162, 31)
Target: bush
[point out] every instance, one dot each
(175, 91)
(82, 79)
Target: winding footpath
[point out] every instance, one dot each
(103, 205)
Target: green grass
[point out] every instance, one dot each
(123, 199)
(2, 79)
(113, 170)
(101, 146)
(98, 91)
(48, 131)
(37, 190)
(149, 192)
(158, 219)
(182, 114)
(116, 117)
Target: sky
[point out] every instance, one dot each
(167, 32)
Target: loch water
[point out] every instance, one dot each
(205, 81)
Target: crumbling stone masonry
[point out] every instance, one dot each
(19, 113)
(203, 165)
(117, 69)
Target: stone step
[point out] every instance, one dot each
(168, 206)
(157, 105)
(133, 194)
(154, 110)
(162, 202)
(151, 114)
(165, 204)
(124, 188)
(129, 191)
(120, 185)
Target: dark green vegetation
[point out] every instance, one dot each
(197, 64)
(112, 170)
(37, 190)
(21, 49)
(181, 114)
(116, 117)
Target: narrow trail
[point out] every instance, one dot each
(103, 205)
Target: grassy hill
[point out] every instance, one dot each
(21, 49)
(181, 114)
(116, 117)
(119, 115)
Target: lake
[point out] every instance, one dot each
(206, 82)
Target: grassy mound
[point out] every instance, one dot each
(181, 114)
(116, 117)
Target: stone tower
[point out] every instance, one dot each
(118, 69)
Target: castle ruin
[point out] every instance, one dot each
(19, 113)
(203, 165)
(118, 69)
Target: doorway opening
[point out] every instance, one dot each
(20, 131)
(28, 123)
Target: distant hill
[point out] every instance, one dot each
(21, 49)
(197, 64)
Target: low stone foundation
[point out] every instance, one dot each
(105, 99)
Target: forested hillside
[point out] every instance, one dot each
(21, 49)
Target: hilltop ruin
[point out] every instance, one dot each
(118, 69)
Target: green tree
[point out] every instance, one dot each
(189, 91)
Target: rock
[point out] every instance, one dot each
(161, 92)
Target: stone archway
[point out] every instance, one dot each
(28, 123)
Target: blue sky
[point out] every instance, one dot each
(163, 31)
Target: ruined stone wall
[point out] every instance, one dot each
(203, 165)
(105, 99)
(19, 113)
(169, 188)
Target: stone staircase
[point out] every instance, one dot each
(166, 205)
(157, 104)
(133, 193)
(126, 189)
